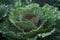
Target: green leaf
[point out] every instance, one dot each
(3, 12)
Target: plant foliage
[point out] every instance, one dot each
(29, 22)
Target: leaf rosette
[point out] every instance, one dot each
(32, 21)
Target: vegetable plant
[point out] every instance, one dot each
(29, 22)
